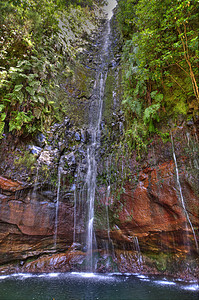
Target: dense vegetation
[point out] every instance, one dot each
(160, 60)
(31, 56)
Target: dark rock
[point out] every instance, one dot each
(40, 140)
(190, 123)
(35, 150)
(83, 136)
(77, 136)
(70, 158)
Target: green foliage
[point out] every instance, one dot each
(28, 62)
(125, 15)
(31, 56)
(136, 137)
(25, 159)
(160, 58)
(151, 114)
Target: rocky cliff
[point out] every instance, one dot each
(147, 210)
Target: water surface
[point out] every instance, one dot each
(88, 286)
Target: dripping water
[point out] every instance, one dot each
(137, 249)
(57, 206)
(181, 195)
(107, 216)
(36, 182)
(110, 243)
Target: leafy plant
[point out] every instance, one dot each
(160, 58)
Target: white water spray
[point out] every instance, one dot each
(109, 8)
(181, 195)
(137, 249)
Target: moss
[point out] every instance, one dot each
(25, 159)
(160, 260)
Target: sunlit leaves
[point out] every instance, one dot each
(160, 54)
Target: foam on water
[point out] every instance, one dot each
(53, 274)
(194, 287)
(109, 8)
(142, 276)
(165, 282)
(111, 277)
(4, 277)
(93, 276)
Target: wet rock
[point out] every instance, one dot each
(77, 136)
(46, 157)
(62, 146)
(10, 185)
(70, 158)
(73, 187)
(35, 150)
(40, 140)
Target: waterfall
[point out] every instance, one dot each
(181, 195)
(84, 194)
(137, 249)
(57, 206)
(91, 184)
(91, 152)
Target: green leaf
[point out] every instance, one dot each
(41, 99)
(2, 107)
(157, 97)
(34, 83)
(2, 116)
(25, 63)
(19, 95)
(31, 77)
(13, 125)
(151, 113)
(17, 88)
(30, 90)
(2, 124)
(37, 112)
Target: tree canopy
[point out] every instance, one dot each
(160, 59)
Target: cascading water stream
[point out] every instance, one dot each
(91, 181)
(107, 203)
(137, 249)
(57, 206)
(181, 195)
(107, 217)
(91, 159)
(84, 195)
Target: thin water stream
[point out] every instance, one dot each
(181, 195)
(57, 206)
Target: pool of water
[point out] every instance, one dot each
(88, 286)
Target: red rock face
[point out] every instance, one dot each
(9, 185)
(154, 207)
(27, 223)
(154, 202)
(149, 209)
